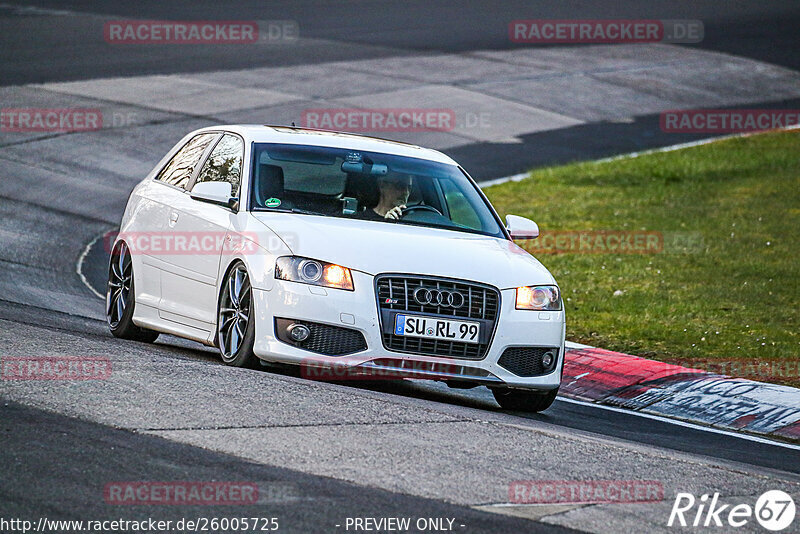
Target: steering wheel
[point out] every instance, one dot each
(415, 207)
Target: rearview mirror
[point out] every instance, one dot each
(361, 167)
(521, 228)
(215, 193)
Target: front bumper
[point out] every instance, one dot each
(358, 310)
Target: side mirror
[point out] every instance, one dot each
(215, 193)
(521, 228)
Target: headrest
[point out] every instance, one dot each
(364, 188)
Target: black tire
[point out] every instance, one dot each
(236, 331)
(524, 401)
(121, 298)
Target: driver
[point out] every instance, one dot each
(393, 191)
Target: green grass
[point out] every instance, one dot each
(732, 294)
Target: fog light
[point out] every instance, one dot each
(298, 332)
(548, 359)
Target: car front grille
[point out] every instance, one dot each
(526, 361)
(395, 294)
(324, 339)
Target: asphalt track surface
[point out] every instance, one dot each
(378, 450)
(32, 439)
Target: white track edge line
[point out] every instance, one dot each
(79, 266)
(678, 422)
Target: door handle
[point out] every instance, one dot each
(173, 218)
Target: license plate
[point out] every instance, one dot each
(435, 328)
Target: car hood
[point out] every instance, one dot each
(376, 247)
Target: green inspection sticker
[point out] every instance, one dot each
(273, 202)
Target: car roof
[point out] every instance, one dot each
(264, 133)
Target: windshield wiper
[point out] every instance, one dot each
(262, 208)
(306, 212)
(455, 227)
(287, 210)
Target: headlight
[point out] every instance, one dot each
(318, 273)
(545, 298)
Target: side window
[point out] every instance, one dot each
(224, 164)
(179, 169)
(461, 212)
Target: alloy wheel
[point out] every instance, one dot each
(234, 312)
(119, 285)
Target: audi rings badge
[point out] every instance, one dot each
(438, 297)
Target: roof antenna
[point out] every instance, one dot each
(293, 126)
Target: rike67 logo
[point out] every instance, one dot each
(774, 510)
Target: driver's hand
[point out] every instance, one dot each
(395, 213)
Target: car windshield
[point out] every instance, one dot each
(338, 182)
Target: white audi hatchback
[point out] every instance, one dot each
(349, 256)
